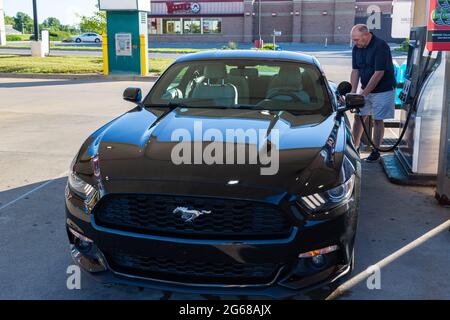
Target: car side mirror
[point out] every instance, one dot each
(352, 101)
(132, 95)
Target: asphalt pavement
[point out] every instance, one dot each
(44, 122)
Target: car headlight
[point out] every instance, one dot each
(81, 188)
(329, 199)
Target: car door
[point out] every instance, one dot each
(84, 37)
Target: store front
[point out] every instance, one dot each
(210, 21)
(248, 20)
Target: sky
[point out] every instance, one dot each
(64, 10)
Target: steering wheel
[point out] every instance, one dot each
(285, 93)
(269, 100)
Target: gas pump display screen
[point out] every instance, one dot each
(438, 37)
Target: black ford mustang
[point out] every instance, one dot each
(235, 174)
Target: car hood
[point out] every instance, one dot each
(138, 147)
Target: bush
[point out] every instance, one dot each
(231, 46)
(404, 47)
(56, 35)
(269, 46)
(18, 37)
(59, 35)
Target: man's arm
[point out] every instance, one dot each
(354, 80)
(373, 82)
(382, 57)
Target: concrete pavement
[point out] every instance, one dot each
(44, 122)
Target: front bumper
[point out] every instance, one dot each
(291, 276)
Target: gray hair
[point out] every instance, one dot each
(361, 28)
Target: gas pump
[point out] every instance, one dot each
(443, 180)
(415, 160)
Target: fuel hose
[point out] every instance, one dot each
(421, 82)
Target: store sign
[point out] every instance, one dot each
(438, 37)
(183, 7)
(401, 18)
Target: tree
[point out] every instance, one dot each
(95, 23)
(23, 22)
(52, 23)
(9, 20)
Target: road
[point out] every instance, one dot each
(318, 50)
(44, 122)
(53, 52)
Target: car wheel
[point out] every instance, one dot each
(97, 40)
(77, 40)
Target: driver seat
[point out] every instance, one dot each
(214, 87)
(289, 79)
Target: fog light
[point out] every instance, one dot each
(82, 242)
(317, 252)
(318, 261)
(80, 236)
(86, 254)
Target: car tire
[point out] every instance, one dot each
(77, 40)
(97, 40)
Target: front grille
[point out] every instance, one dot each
(229, 219)
(192, 271)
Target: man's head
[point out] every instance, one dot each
(360, 35)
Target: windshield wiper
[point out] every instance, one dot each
(256, 107)
(247, 107)
(170, 105)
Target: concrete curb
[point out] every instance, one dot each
(77, 77)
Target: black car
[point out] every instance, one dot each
(165, 196)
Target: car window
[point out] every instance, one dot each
(260, 84)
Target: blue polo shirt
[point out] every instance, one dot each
(375, 57)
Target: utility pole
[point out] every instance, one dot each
(38, 48)
(259, 20)
(36, 23)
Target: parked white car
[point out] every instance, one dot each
(88, 37)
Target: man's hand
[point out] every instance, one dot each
(373, 82)
(364, 93)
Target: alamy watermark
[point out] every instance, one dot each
(235, 146)
(74, 279)
(373, 282)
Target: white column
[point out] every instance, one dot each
(2, 25)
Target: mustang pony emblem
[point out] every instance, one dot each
(188, 215)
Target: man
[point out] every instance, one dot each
(372, 65)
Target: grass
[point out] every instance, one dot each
(87, 48)
(158, 65)
(67, 65)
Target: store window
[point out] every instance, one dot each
(192, 26)
(155, 26)
(212, 25)
(172, 26)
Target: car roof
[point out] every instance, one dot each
(250, 54)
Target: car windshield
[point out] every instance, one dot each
(247, 84)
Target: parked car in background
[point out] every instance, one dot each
(88, 37)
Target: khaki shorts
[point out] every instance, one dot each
(380, 105)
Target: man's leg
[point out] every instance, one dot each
(378, 132)
(358, 129)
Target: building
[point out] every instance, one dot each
(377, 14)
(248, 20)
(10, 30)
